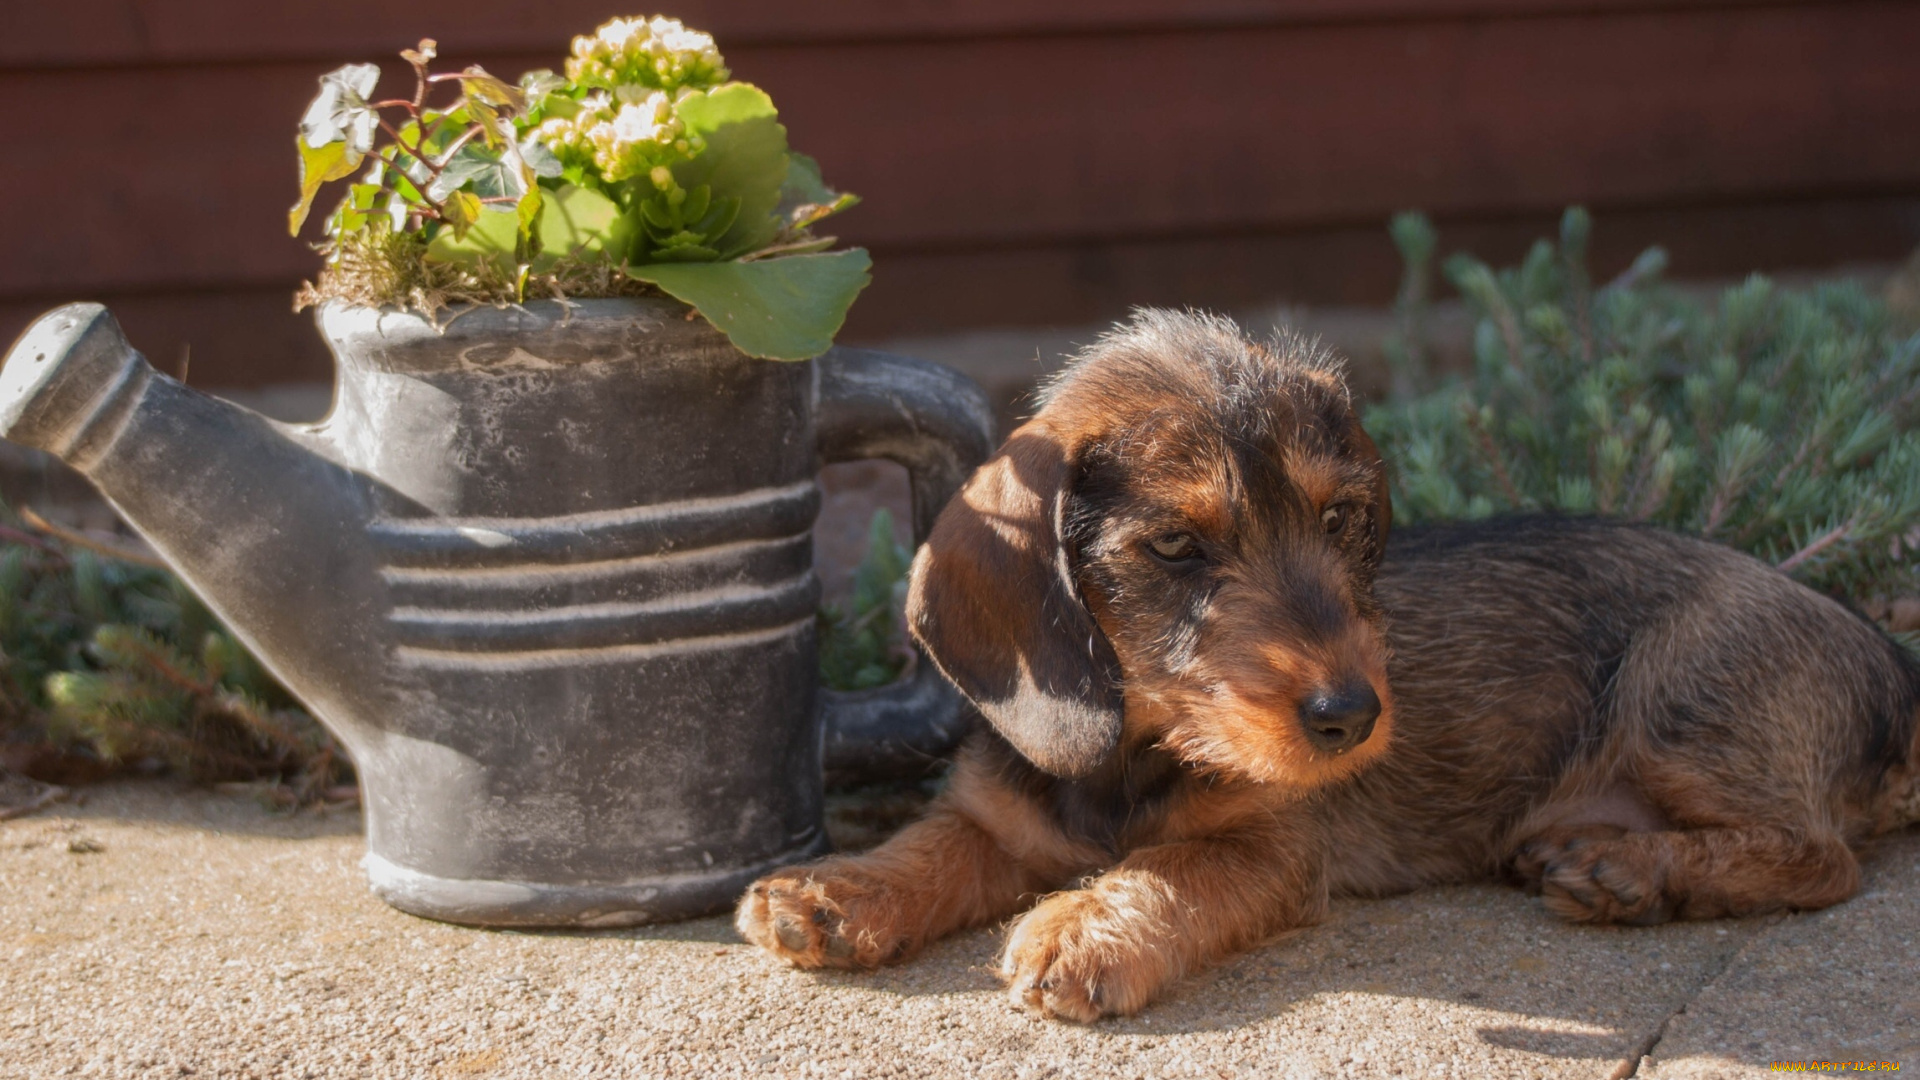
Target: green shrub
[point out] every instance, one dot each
(120, 660)
(1779, 421)
(860, 647)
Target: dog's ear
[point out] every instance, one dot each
(994, 603)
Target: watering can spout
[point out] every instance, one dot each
(67, 380)
(241, 506)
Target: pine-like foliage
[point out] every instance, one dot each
(861, 647)
(1782, 422)
(123, 662)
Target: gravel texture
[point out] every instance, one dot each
(158, 930)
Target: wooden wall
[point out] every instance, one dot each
(1023, 163)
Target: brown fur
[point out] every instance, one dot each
(1637, 725)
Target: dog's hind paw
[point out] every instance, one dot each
(1592, 880)
(829, 915)
(1077, 956)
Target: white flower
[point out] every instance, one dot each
(648, 121)
(617, 32)
(657, 53)
(674, 35)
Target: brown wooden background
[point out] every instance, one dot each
(1024, 162)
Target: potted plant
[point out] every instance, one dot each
(643, 170)
(545, 568)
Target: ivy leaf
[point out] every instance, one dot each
(536, 87)
(538, 158)
(745, 159)
(404, 162)
(356, 208)
(340, 112)
(462, 210)
(526, 212)
(432, 135)
(777, 309)
(486, 173)
(318, 165)
(485, 91)
(582, 223)
(491, 103)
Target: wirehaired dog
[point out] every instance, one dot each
(1217, 698)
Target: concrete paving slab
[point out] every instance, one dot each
(1834, 986)
(159, 930)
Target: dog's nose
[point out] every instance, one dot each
(1340, 719)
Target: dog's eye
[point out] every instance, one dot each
(1334, 520)
(1175, 547)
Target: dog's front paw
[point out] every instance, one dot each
(829, 915)
(1083, 955)
(1589, 880)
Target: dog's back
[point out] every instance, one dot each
(1630, 677)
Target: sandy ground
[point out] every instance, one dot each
(159, 930)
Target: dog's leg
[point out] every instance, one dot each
(1650, 877)
(941, 874)
(1111, 946)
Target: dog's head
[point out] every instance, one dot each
(1178, 549)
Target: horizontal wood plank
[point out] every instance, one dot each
(250, 337)
(1087, 284)
(179, 178)
(38, 34)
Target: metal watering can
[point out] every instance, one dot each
(545, 571)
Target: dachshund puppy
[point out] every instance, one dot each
(1217, 698)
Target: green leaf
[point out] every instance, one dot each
(486, 236)
(492, 103)
(685, 226)
(318, 165)
(745, 159)
(495, 93)
(526, 212)
(582, 223)
(657, 214)
(539, 85)
(777, 309)
(538, 158)
(362, 201)
(683, 247)
(804, 197)
(803, 183)
(487, 173)
(462, 209)
(434, 139)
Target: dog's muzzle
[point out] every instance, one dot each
(1339, 720)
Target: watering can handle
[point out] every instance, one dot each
(938, 425)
